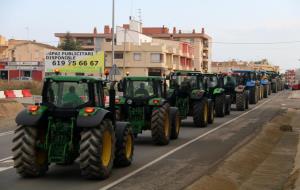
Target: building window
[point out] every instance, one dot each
(156, 57)
(118, 55)
(137, 56)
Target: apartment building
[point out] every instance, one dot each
(290, 76)
(228, 66)
(140, 52)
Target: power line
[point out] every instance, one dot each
(255, 43)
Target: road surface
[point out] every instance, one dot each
(196, 152)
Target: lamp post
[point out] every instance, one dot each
(113, 36)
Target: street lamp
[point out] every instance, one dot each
(113, 35)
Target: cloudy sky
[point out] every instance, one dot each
(243, 30)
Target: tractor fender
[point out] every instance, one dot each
(264, 82)
(250, 83)
(239, 88)
(197, 94)
(218, 91)
(172, 111)
(28, 119)
(121, 125)
(93, 120)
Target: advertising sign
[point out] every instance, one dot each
(74, 61)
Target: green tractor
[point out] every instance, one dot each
(187, 92)
(71, 122)
(145, 106)
(216, 92)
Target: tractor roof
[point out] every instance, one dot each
(72, 78)
(144, 78)
(186, 73)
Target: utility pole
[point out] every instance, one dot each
(113, 37)
(124, 51)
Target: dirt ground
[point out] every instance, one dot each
(269, 161)
(8, 111)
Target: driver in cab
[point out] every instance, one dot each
(141, 91)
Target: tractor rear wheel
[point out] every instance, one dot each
(211, 112)
(200, 113)
(227, 104)
(265, 91)
(124, 145)
(220, 105)
(246, 94)
(240, 101)
(160, 125)
(97, 148)
(29, 160)
(175, 123)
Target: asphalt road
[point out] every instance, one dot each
(196, 152)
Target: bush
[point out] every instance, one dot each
(35, 87)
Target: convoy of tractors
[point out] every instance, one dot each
(73, 123)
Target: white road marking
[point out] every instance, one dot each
(5, 168)
(5, 159)
(6, 133)
(179, 147)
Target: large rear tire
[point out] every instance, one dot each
(253, 95)
(29, 160)
(124, 145)
(160, 125)
(220, 105)
(175, 123)
(227, 104)
(240, 101)
(266, 91)
(200, 113)
(97, 151)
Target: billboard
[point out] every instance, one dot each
(75, 61)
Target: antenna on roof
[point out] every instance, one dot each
(140, 14)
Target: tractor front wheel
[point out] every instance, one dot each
(160, 125)
(200, 113)
(211, 112)
(124, 145)
(97, 148)
(220, 105)
(240, 101)
(29, 160)
(227, 104)
(175, 123)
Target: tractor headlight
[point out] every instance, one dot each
(129, 101)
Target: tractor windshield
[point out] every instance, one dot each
(212, 81)
(67, 94)
(230, 81)
(136, 89)
(193, 82)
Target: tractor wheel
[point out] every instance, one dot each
(253, 95)
(200, 113)
(124, 145)
(274, 88)
(240, 101)
(269, 89)
(265, 91)
(175, 123)
(97, 148)
(211, 112)
(160, 125)
(29, 160)
(220, 105)
(246, 94)
(227, 104)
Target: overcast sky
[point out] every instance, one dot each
(238, 23)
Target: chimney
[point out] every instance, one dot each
(106, 29)
(194, 31)
(202, 31)
(95, 30)
(174, 30)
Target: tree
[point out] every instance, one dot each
(69, 43)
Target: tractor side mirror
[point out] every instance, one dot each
(120, 86)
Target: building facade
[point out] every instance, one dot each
(22, 58)
(290, 76)
(143, 51)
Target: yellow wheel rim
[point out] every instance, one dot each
(128, 147)
(166, 125)
(106, 147)
(205, 112)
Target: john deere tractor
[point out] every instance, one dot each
(249, 79)
(235, 87)
(71, 122)
(187, 92)
(145, 106)
(216, 92)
